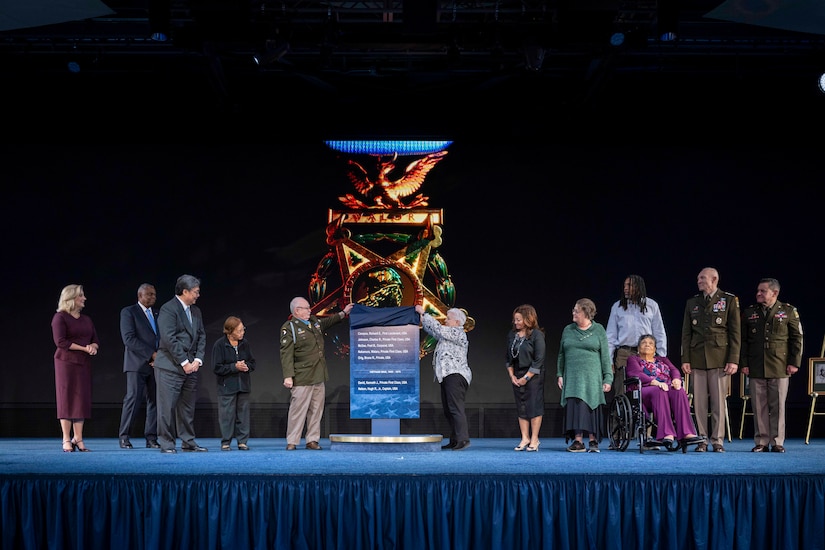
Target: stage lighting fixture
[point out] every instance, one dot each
(633, 23)
(72, 65)
(667, 14)
(534, 57)
(497, 58)
(453, 55)
(271, 55)
(822, 83)
(326, 52)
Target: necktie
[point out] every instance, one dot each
(151, 320)
(189, 315)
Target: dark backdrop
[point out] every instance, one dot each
(544, 223)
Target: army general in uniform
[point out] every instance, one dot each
(771, 353)
(711, 341)
(305, 370)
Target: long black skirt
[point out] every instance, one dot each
(580, 418)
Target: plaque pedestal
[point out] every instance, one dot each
(386, 437)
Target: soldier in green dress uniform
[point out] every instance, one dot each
(771, 353)
(711, 341)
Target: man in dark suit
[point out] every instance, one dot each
(711, 339)
(771, 353)
(180, 356)
(138, 330)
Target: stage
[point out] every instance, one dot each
(487, 496)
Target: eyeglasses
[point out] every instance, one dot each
(302, 307)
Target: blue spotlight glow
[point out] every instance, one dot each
(389, 147)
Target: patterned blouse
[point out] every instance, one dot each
(450, 356)
(660, 369)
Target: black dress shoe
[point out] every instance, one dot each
(777, 449)
(760, 449)
(168, 451)
(152, 444)
(195, 449)
(449, 445)
(461, 445)
(125, 444)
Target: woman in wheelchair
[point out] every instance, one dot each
(663, 395)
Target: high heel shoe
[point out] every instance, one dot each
(76, 446)
(523, 445)
(533, 449)
(70, 444)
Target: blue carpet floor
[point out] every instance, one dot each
(43, 457)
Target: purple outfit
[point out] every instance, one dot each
(668, 407)
(73, 368)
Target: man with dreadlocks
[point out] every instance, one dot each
(631, 317)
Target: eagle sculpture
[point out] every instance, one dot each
(384, 192)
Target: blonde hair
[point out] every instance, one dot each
(67, 296)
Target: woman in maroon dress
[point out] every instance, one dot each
(76, 340)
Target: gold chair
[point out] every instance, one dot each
(745, 394)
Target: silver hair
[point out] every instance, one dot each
(295, 301)
(458, 314)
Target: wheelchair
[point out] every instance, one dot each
(628, 421)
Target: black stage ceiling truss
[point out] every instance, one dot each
(425, 36)
(426, 48)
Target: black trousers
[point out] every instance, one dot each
(139, 387)
(453, 390)
(233, 417)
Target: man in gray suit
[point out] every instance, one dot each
(138, 330)
(180, 356)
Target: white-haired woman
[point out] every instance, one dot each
(451, 370)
